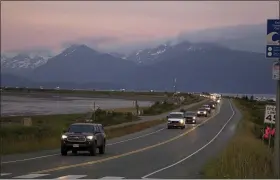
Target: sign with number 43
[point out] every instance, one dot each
(270, 114)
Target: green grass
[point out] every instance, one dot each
(131, 109)
(162, 107)
(109, 93)
(246, 156)
(46, 129)
(52, 141)
(91, 92)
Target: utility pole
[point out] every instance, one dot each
(137, 107)
(94, 111)
(175, 82)
(277, 119)
(277, 123)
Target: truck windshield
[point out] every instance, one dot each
(190, 113)
(81, 128)
(175, 115)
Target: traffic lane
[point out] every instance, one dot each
(116, 149)
(135, 165)
(192, 167)
(15, 158)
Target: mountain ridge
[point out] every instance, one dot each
(196, 66)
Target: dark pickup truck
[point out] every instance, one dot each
(190, 117)
(212, 105)
(83, 137)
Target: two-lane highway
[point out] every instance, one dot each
(146, 154)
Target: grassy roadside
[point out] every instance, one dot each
(246, 156)
(93, 92)
(53, 142)
(165, 106)
(46, 129)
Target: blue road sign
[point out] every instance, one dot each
(273, 38)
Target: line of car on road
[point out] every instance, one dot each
(91, 136)
(182, 118)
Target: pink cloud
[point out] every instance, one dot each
(31, 24)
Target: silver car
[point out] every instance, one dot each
(176, 119)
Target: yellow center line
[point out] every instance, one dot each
(124, 154)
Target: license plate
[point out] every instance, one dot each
(75, 145)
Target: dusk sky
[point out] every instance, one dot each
(50, 25)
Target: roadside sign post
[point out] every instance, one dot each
(276, 71)
(269, 118)
(273, 52)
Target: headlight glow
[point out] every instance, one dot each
(204, 112)
(90, 137)
(194, 117)
(181, 121)
(63, 136)
(197, 112)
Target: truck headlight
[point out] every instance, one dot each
(194, 117)
(89, 137)
(181, 121)
(63, 137)
(204, 112)
(197, 112)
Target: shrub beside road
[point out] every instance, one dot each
(45, 131)
(165, 106)
(247, 156)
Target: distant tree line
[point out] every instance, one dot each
(245, 97)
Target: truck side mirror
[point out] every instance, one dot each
(64, 131)
(167, 117)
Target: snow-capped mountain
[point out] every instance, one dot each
(148, 56)
(22, 61)
(154, 55)
(186, 61)
(118, 55)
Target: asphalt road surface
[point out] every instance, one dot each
(157, 152)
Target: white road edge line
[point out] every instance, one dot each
(178, 162)
(30, 176)
(112, 177)
(71, 177)
(28, 159)
(5, 174)
(41, 157)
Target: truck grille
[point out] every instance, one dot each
(76, 138)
